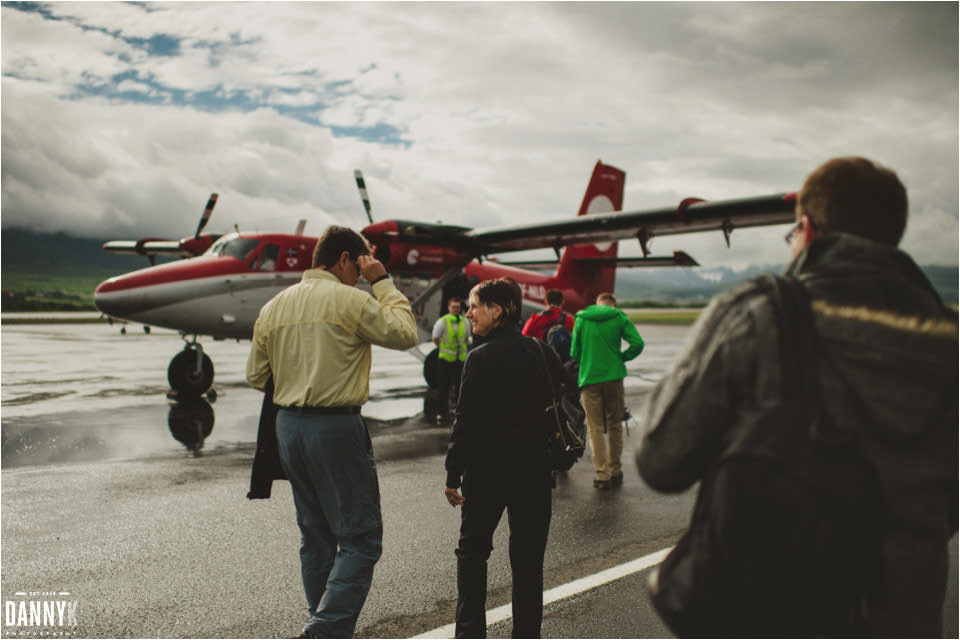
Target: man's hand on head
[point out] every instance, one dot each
(370, 268)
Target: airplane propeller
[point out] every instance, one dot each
(361, 185)
(207, 212)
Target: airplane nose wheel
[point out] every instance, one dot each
(191, 371)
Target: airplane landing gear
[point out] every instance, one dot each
(191, 371)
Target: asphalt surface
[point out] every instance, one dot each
(152, 535)
(172, 548)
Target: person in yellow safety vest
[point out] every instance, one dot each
(451, 333)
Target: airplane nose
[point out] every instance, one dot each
(113, 299)
(102, 300)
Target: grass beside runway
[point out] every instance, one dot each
(54, 317)
(663, 316)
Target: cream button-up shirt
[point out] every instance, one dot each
(314, 339)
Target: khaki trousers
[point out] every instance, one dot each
(603, 403)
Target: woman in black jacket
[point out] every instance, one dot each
(498, 457)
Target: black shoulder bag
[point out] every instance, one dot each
(566, 428)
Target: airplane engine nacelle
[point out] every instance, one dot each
(416, 249)
(405, 258)
(195, 246)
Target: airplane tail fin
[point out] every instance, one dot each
(604, 194)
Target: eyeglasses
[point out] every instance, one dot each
(795, 229)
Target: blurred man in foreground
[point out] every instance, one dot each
(887, 365)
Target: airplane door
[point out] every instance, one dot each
(267, 260)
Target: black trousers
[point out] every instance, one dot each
(528, 511)
(448, 376)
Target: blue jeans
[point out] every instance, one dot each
(329, 461)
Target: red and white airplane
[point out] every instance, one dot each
(219, 288)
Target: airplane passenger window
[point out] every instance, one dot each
(268, 257)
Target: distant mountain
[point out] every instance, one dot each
(695, 286)
(61, 271)
(59, 252)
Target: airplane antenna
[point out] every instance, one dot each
(727, 229)
(363, 193)
(207, 212)
(300, 226)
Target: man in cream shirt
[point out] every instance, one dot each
(314, 340)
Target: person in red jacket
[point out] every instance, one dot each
(538, 324)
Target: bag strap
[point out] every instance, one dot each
(792, 311)
(798, 345)
(546, 366)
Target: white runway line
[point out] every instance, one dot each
(566, 590)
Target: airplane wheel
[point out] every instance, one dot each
(184, 377)
(430, 366)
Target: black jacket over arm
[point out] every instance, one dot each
(266, 461)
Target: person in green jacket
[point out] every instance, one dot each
(598, 333)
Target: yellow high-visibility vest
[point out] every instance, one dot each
(453, 344)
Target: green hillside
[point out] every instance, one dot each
(55, 272)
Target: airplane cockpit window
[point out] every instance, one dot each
(217, 247)
(233, 246)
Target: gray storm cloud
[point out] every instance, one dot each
(119, 119)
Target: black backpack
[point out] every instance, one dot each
(559, 337)
(565, 420)
(786, 532)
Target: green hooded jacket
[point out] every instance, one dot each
(597, 334)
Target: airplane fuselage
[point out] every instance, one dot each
(218, 293)
(221, 296)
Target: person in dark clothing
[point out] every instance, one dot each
(887, 364)
(498, 457)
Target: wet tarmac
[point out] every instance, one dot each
(135, 506)
(87, 392)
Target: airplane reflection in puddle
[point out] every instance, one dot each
(191, 422)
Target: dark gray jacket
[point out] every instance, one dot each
(888, 366)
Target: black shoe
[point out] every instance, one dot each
(601, 484)
(617, 480)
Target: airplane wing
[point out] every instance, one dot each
(147, 247)
(691, 216)
(678, 259)
(152, 247)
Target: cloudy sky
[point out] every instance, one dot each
(118, 120)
